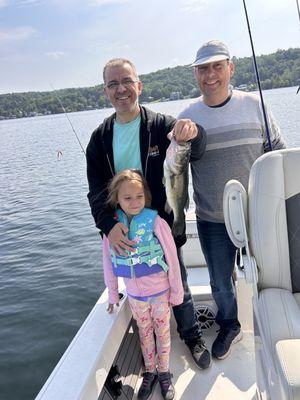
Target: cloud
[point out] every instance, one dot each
(174, 61)
(30, 2)
(16, 34)
(20, 3)
(55, 54)
(3, 3)
(108, 49)
(100, 3)
(190, 6)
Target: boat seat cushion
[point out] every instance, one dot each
(288, 356)
(280, 317)
(297, 298)
(274, 219)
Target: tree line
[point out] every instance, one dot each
(279, 69)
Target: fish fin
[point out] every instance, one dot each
(187, 203)
(170, 135)
(178, 228)
(168, 209)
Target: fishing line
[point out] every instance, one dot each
(298, 9)
(297, 2)
(66, 114)
(258, 79)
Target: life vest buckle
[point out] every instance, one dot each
(135, 260)
(134, 252)
(153, 261)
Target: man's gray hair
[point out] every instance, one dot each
(117, 62)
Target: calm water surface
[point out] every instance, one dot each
(50, 250)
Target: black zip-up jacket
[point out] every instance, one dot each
(153, 145)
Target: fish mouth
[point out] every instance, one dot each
(177, 158)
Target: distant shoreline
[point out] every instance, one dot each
(144, 103)
(277, 70)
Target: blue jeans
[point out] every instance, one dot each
(219, 253)
(188, 326)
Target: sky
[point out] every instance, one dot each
(65, 43)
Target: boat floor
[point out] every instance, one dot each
(233, 378)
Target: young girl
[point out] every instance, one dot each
(151, 274)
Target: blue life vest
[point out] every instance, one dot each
(148, 257)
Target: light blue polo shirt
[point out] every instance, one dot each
(126, 145)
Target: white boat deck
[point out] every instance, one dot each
(233, 378)
(88, 359)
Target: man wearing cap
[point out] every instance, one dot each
(236, 137)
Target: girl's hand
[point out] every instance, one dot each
(110, 307)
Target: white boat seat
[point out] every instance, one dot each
(297, 298)
(273, 230)
(287, 351)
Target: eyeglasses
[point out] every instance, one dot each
(126, 83)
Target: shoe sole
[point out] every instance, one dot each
(175, 397)
(151, 394)
(203, 368)
(235, 340)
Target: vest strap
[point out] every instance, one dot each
(131, 262)
(152, 247)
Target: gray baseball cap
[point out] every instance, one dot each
(212, 51)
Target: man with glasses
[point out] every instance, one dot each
(136, 137)
(236, 137)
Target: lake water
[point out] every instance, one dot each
(50, 250)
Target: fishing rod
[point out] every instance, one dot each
(258, 80)
(297, 2)
(66, 114)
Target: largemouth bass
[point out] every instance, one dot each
(176, 181)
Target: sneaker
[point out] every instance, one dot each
(222, 344)
(166, 386)
(147, 386)
(201, 354)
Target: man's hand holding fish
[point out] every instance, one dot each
(184, 147)
(184, 130)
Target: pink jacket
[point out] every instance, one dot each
(150, 284)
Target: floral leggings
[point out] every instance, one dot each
(153, 316)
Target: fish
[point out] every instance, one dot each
(176, 182)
